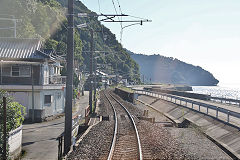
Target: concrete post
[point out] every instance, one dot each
(91, 74)
(69, 84)
(228, 116)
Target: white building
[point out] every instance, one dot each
(24, 68)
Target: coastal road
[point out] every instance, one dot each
(39, 139)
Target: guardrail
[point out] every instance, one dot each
(222, 100)
(173, 99)
(60, 138)
(55, 80)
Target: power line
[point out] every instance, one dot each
(121, 32)
(99, 7)
(137, 17)
(116, 12)
(119, 6)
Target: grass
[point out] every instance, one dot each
(23, 154)
(126, 89)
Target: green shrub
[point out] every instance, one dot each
(15, 115)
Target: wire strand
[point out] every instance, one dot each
(121, 32)
(99, 7)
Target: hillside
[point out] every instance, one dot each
(171, 70)
(46, 19)
(118, 61)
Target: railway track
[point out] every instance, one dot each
(125, 142)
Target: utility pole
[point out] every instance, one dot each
(4, 156)
(91, 73)
(95, 74)
(33, 112)
(69, 84)
(143, 79)
(116, 74)
(1, 71)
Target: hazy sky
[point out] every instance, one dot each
(200, 32)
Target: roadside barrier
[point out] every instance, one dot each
(226, 100)
(75, 127)
(191, 103)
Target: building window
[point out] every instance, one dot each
(15, 71)
(6, 71)
(25, 71)
(47, 99)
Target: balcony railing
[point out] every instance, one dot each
(55, 80)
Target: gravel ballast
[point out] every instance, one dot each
(157, 142)
(196, 144)
(96, 144)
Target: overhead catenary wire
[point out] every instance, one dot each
(121, 32)
(99, 7)
(120, 12)
(137, 17)
(116, 12)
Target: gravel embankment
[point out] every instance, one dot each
(157, 143)
(196, 144)
(191, 140)
(96, 144)
(104, 108)
(130, 107)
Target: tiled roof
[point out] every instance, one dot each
(16, 48)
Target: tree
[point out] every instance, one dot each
(15, 115)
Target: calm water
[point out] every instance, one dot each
(218, 91)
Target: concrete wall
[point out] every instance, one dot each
(56, 106)
(25, 99)
(127, 96)
(15, 143)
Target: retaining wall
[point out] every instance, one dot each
(15, 143)
(125, 95)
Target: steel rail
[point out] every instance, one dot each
(135, 127)
(110, 155)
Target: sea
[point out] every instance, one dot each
(223, 91)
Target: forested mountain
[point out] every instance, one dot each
(119, 60)
(46, 19)
(171, 70)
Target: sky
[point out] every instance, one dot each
(204, 33)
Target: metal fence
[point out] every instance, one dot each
(185, 103)
(60, 138)
(55, 80)
(225, 100)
